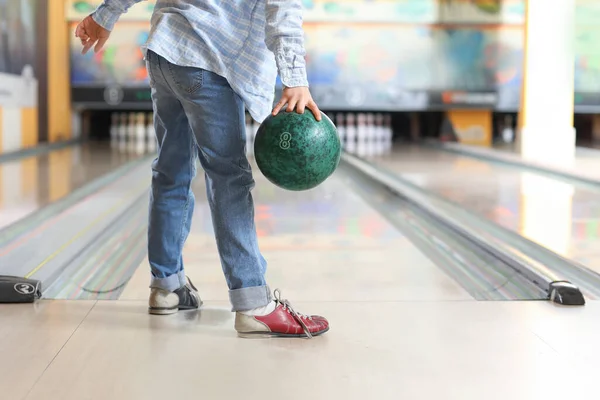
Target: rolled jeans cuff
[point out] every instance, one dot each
(171, 283)
(249, 298)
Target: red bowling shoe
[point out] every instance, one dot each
(283, 322)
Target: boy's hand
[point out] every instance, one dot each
(297, 98)
(90, 32)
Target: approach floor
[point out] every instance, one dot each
(400, 327)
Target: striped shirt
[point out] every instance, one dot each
(245, 41)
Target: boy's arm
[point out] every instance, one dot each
(95, 29)
(107, 13)
(285, 38)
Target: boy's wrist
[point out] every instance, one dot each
(105, 17)
(293, 77)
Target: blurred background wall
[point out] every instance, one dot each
(23, 66)
(436, 65)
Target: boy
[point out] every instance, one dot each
(207, 60)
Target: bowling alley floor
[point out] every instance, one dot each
(32, 182)
(400, 327)
(585, 164)
(556, 212)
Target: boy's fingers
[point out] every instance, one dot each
(100, 44)
(79, 31)
(312, 106)
(300, 107)
(88, 46)
(291, 105)
(278, 106)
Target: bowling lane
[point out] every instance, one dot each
(30, 183)
(322, 245)
(397, 323)
(562, 216)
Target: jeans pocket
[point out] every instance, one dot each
(187, 79)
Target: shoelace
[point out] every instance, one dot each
(288, 306)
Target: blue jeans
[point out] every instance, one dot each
(198, 116)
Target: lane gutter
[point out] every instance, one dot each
(51, 214)
(39, 150)
(551, 277)
(510, 160)
(484, 277)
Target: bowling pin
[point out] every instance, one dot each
(361, 135)
(371, 135)
(389, 133)
(140, 133)
(131, 133)
(77, 124)
(508, 134)
(122, 130)
(350, 134)
(151, 134)
(114, 130)
(339, 122)
(379, 134)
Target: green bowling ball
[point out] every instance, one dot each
(295, 151)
